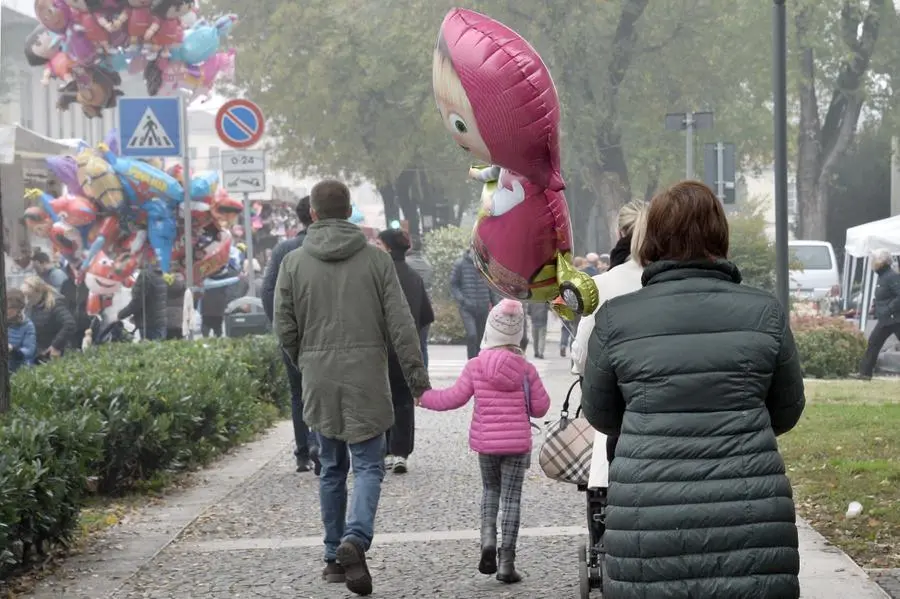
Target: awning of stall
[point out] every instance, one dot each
(23, 155)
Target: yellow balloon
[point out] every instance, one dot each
(99, 181)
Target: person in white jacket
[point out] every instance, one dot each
(620, 279)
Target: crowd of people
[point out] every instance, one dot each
(687, 375)
(694, 395)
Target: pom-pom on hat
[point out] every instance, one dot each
(505, 325)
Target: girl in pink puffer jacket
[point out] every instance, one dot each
(508, 392)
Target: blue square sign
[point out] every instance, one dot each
(150, 127)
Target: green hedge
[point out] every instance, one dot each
(829, 347)
(122, 416)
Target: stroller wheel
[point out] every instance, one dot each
(584, 577)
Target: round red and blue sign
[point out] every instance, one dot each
(240, 123)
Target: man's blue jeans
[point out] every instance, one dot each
(304, 439)
(357, 525)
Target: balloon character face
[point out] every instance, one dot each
(41, 46)
(496, 97)
(226, 209)
(55, 15)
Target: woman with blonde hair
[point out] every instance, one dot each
(53, 323)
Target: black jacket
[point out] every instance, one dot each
(469, 287)
(887, 296)
(149, 300)
(175, 304)
(422, 313)
(271, 277)
(53, 327)
(698, 374)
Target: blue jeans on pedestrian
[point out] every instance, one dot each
(154, 334)
(304, 439)
(358, 524)
(423, 341)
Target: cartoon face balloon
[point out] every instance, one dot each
(498, 101)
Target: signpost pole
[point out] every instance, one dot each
(248, 231)
(689, 147)
(720, 171)
(186, 206)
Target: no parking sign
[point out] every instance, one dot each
(240, 123)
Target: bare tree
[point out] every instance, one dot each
(823, 144)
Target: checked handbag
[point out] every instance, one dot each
(568, 443)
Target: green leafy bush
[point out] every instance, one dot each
(447, 328)
(828, 347)
(750, 249)
(124, 414)
(443, 247)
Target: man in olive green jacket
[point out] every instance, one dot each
(338, 307)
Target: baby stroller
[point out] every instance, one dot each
(592, 555)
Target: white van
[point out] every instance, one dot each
(819, 277)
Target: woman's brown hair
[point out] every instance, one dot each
(685, 222)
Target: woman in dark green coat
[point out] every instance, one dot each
(697, 374)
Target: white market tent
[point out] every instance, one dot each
(862, 240)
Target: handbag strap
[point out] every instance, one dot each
(565, 408)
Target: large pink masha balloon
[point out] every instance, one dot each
(499, 103)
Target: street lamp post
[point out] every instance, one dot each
(779, 84)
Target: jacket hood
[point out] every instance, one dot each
(505, 369)
(334, 240)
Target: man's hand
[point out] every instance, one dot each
(418, 401)
(53, 352)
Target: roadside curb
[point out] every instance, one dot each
(826, 572)
(116, 556)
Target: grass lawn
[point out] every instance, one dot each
(847, 448)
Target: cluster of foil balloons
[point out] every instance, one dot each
(499, 104)
(121, 214)
(86, 44)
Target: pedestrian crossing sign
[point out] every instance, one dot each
(150, 127)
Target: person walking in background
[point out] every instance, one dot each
(338, 307)
(401, 436)
(593, 264)
(148, 305)
(887, 311)
(474, 297)
(698, 374)
(53, 323)
(306, 446)
(213, 303)
(539, 314)
(508, 392)
(417, 260)
(52, 274)
(22, 339)
(175, 308)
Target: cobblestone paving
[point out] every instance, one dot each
(441, 492)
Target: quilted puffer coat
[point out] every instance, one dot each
(500, 421)
(697, 374)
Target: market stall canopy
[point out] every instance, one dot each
(881, 234)
(23, 155)
(18, 142)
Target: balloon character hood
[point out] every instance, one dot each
(496, 97)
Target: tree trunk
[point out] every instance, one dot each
(4, 333)
(613, 190)
(389, 199)
(823, 144)
(406, 198)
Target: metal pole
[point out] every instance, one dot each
(186, 206)
(248, 231)
(781, 155)
(689, 148)
(720, 168)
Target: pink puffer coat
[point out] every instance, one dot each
(500, 423)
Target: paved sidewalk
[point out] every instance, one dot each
(250, 529)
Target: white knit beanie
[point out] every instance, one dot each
(505, 325)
